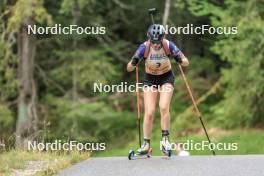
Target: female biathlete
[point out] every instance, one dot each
(158, 78)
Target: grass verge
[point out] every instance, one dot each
(249, 141)
(14, 161)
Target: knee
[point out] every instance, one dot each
(149, 116)
(164, 109)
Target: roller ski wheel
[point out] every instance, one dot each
(132, 155)
(167, 153)
(149, 153)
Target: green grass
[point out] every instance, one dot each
(249, 141)
(17, 159)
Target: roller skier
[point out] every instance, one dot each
(158, 80)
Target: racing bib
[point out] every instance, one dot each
(157, 62)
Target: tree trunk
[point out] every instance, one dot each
(27, 122)
(166, 12)
(76, 15)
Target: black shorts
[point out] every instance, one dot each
(159, 80)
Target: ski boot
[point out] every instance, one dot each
(166, 146)
(143, 152)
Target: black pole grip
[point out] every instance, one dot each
(152, 12)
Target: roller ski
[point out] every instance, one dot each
(166, 146)
(143, 152)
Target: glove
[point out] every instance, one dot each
(135, 61)
(178, 59)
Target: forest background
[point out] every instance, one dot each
(46, 81)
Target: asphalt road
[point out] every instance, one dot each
(236, 165)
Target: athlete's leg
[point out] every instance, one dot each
(150, 99)
(164, 104)
(166, 93)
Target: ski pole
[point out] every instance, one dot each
(138, 107)
(198, 114)
(152, 12)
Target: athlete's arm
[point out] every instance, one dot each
(178, 55)
(138, 56)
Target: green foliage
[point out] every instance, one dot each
(6, 120)
(8, 64)
(67, 5)
(243, 78)
(201, 8)
(28, 9)
(84, 121)
(91, 62)
(8, 80)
